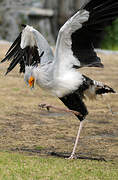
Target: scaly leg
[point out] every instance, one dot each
(58, 108)
(76, 141)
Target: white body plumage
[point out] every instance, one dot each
(60, 85)
(57, 73)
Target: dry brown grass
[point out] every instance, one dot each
(23, 124)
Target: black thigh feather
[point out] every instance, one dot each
(74, 102)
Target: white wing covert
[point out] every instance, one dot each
(43, 45)
(63, 54)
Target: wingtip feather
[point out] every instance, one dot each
(23, 25)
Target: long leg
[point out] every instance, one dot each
(58, 108)
(76, 141)
(80, 126)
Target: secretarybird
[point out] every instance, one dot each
(59, 73)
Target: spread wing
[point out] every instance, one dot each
(29, 48)
(81, 33)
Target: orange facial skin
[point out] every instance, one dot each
(31, 82)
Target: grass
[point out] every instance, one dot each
(15, 166)
(25, 127)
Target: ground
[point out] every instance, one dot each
(25, 127)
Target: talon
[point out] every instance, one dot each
(42, 105)
(48, 108)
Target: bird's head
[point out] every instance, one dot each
(31, 82)
(29, 77)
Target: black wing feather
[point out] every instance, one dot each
(11, 53)
(22, 67)
(15, 43)
(84, 40)
(17, 55)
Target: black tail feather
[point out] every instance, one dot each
(105, 89)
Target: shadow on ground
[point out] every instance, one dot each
(24, 125)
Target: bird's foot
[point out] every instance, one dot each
(72, 157)
(45, 106)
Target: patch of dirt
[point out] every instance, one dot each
(24, 126)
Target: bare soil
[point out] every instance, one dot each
(23, 126)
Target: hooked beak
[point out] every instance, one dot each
(31, 82)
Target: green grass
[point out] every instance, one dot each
(14, 166)
(23, 124)
(109, 47)
(111, 37)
